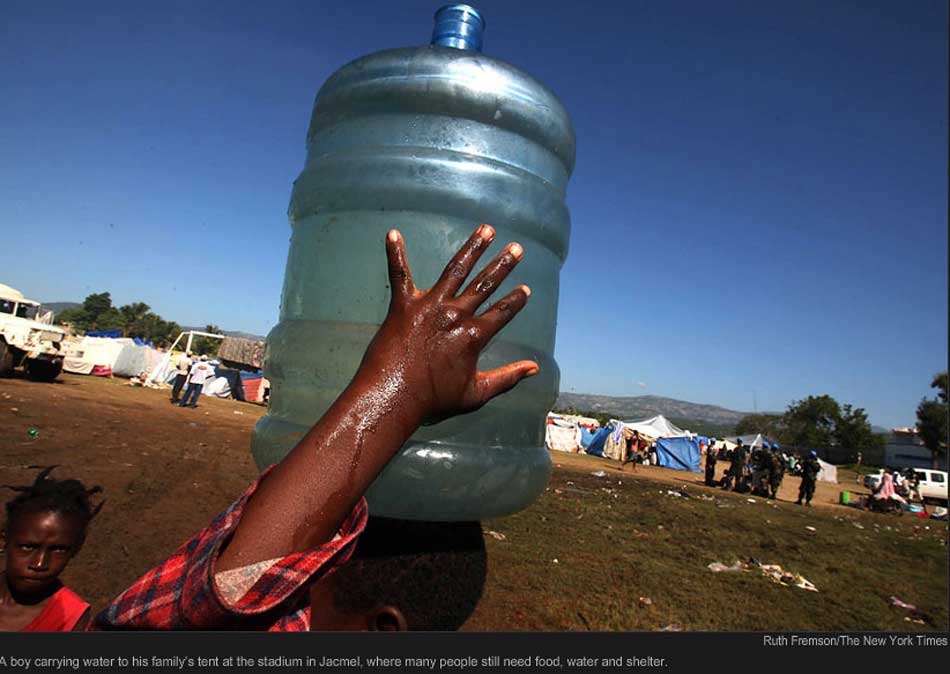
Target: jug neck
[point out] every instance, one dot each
(459, 27)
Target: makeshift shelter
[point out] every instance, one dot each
(254, 386)
(93, 355)
(244, 352)
(131, 361)
(678, 453)
(235, 389)
(610, 442)
(596, 446)
(656, 427)
(566, 432)
(561, 435)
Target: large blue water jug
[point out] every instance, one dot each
(433, 141)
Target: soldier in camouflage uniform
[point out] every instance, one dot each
(711, 456)
(810, 470)
(776, 472)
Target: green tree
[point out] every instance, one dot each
(132, 316)
(170, 331)
(110, 319)
(811, 422)
(96, 304)
(88, 317)
(767, 424)
(207, 345)
(932, 423)
(75, 317)
(135, 320)
(853, 430)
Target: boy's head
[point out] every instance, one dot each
(45, 527)
(404, 575)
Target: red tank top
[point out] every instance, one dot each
(61, 613)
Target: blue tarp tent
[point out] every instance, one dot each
(596, 447)
(587, 437)
(111, 334)
(678, 453)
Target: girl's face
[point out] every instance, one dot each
(39, 546)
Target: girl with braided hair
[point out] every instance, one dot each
(45, 528)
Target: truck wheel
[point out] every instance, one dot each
(6, 361)
(44, 370)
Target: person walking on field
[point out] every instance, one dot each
(183, 365)
(810, 470)
(633, 451)
(200, 373)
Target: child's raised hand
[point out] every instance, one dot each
(428, 346)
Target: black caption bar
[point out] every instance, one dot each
(457, 652)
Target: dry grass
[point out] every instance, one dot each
(625, 538)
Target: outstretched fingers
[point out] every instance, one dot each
(495, 382)
(460, 266)
(492, 276)
(400, 277)
(501, 312)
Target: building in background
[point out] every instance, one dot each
(905, 449)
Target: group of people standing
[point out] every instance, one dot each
(192, 375)
(761, 470)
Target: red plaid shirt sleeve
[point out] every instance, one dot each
(180, 593)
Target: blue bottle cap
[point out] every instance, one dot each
(459, 27)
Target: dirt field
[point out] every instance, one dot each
(167, 471)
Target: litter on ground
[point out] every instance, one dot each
(599, 473)
(497, 536)
(902, 604)
(719, 567)
(779, 575)
(773, 572)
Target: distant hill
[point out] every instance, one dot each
(228, 333)
(647, 406)
(57, 307)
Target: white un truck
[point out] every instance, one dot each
(26, 341)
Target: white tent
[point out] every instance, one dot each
(828, 472)
(563, 432)
(751, 440)
(656, 427)
(90, 352)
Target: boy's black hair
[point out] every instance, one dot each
(48, 494)
(434, 572)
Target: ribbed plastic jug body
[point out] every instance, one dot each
(432, 141)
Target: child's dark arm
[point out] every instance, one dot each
(420, 366)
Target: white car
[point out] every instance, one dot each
(933, 483)
(26, 341)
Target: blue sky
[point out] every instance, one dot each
(759, 204)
